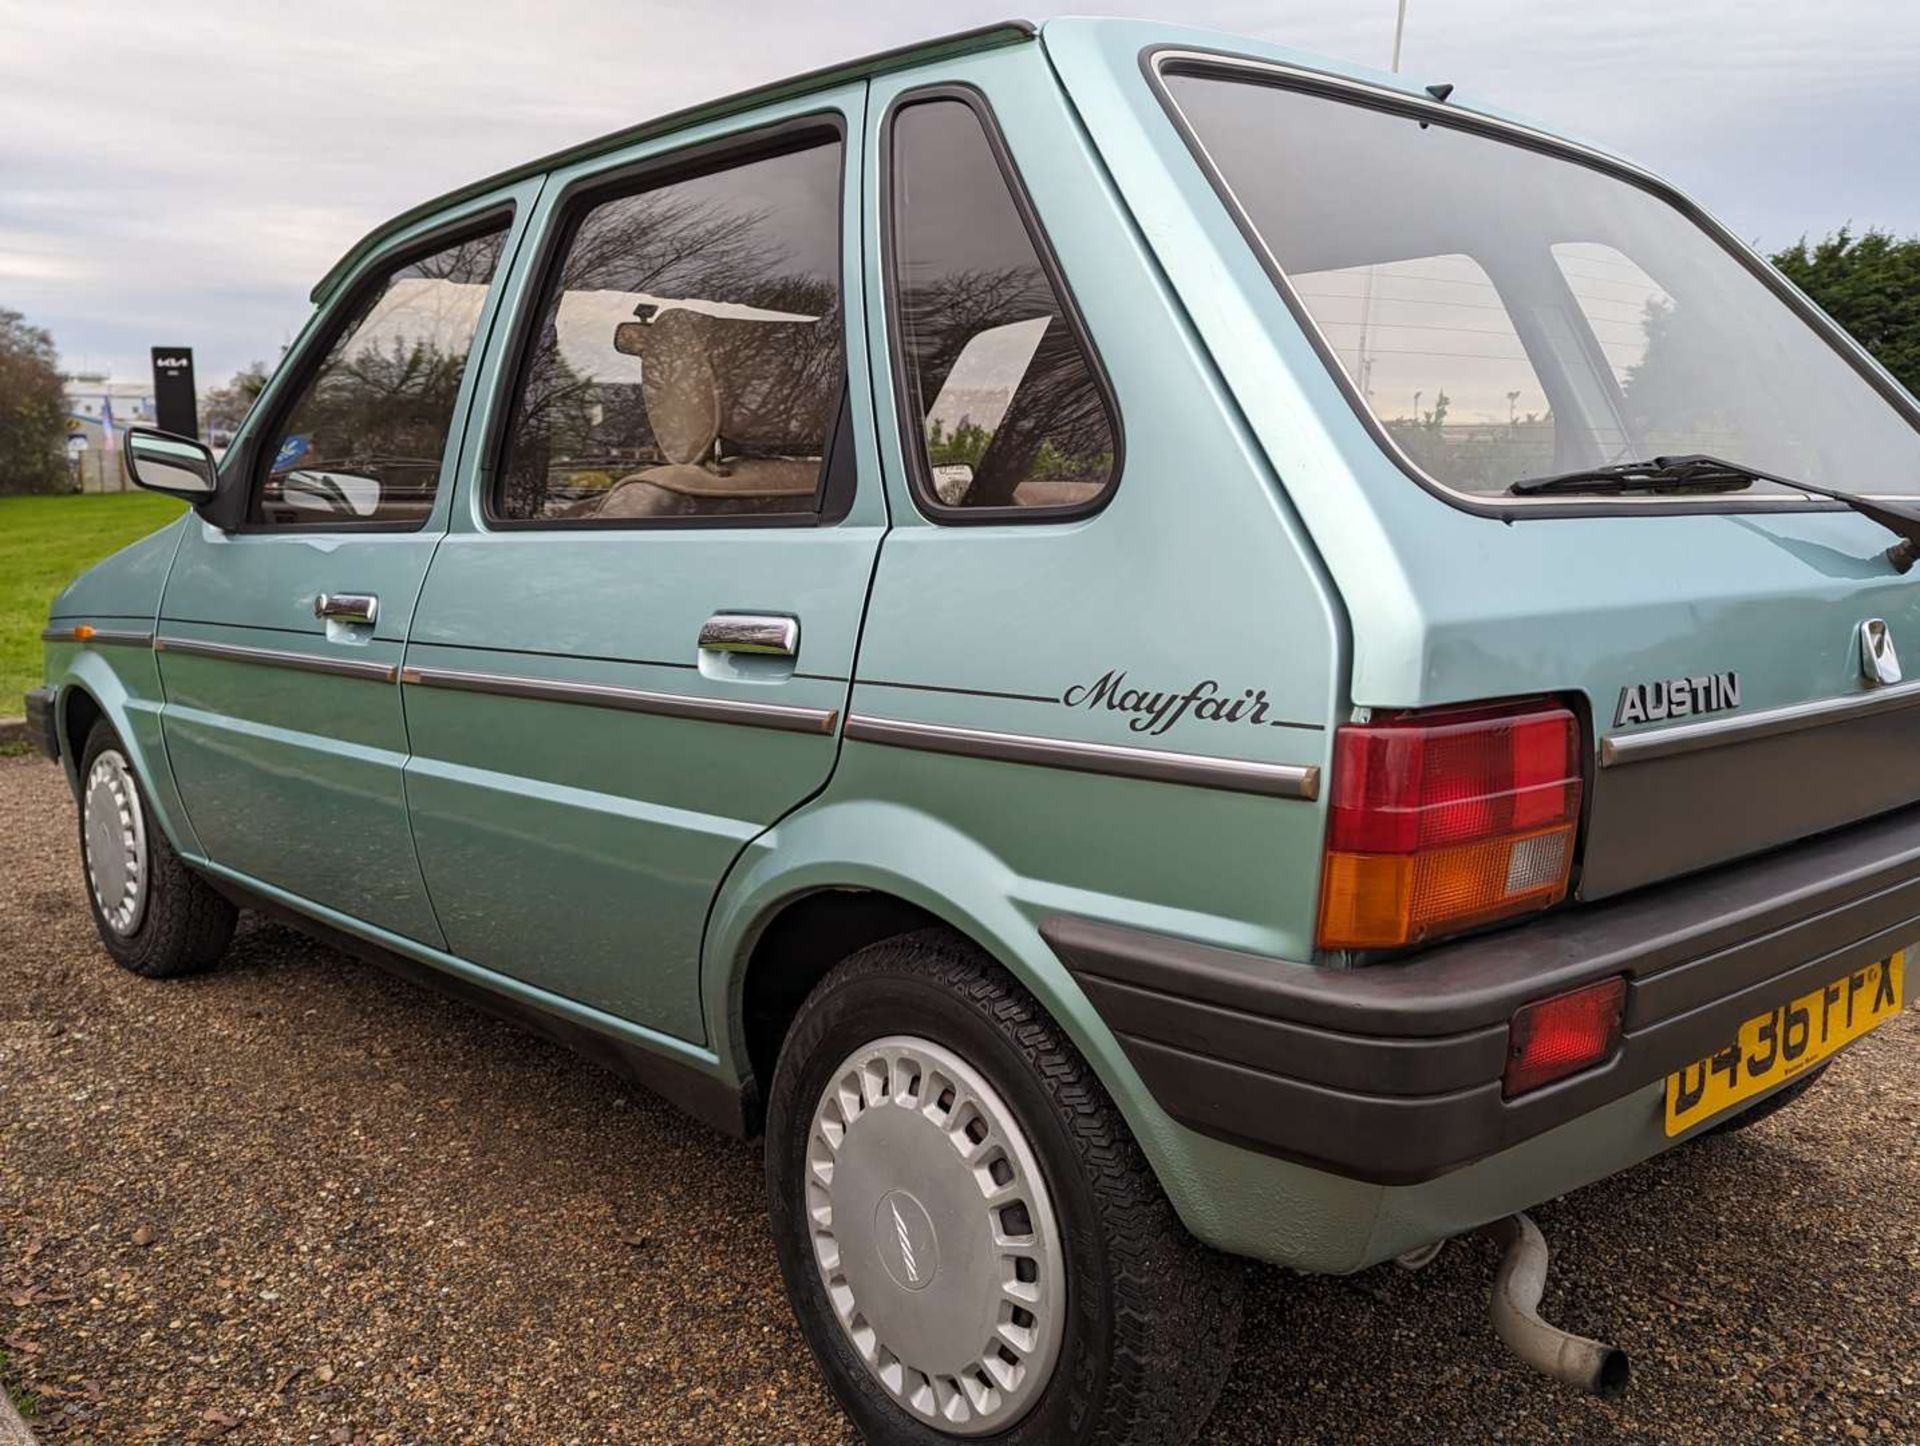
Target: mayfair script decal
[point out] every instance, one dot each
(1154, 713)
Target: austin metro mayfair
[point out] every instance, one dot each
(1132, 647)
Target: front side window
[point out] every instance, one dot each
(1004, 395)
(364, 439)
(689, 355)
(1504, 312)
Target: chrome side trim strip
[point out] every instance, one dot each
(1235, 775)
(124, 637)
(275, 658)
(1768, 723)
(781, 716)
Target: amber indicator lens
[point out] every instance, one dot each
(1443, 820)
(1563, 1035)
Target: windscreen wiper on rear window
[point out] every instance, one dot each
(1695, 473)
(1698, 473)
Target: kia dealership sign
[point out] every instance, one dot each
(173, 400)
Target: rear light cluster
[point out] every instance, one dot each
(1447, 819)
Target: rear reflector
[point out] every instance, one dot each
(1563, 1035)
(1443, 820)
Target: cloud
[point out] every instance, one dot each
(182, 173)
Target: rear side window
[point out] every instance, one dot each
(1001, 388)
(364, 438)
(689, 355)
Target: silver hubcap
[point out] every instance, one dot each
(934, 1235)
(116, 834)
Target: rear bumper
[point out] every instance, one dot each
(1391, 1074)
(41, 725)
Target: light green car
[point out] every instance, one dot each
(1136, 647)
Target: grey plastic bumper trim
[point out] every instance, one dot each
(1391, 1073)
(41, 722)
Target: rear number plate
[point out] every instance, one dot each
(1773, 1048)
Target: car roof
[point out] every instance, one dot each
(1072, 34)
(985, 37)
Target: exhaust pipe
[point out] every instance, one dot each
(1591, 1366)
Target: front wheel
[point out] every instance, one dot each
(973, 1243)
(156, 917)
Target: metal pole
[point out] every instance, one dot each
(1366, 296)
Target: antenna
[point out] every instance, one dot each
(1399, 34)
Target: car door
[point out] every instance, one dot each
(633, 649)
(280, 639)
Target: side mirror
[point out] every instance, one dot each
(178, 466)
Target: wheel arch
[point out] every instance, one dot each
(75, 713)
(91, 691)
(792, 951)
(830, 880)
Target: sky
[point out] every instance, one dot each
(181, 173)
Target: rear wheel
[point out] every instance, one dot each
(974, 1244)
(156, 917)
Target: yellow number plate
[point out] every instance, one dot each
(1773, 1048)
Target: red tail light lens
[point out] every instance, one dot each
(1563, 1035)
(1442, 820)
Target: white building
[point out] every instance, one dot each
(88, 394)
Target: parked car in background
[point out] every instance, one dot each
(1134, 647)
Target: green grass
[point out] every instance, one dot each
(44, 543)
(24, 1401)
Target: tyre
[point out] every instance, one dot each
(156, 917)
(1771, 1105)
(973, 1242)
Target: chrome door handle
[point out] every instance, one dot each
(348, 607)
(750, 633)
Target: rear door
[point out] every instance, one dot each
(280, 641)
(633, 649)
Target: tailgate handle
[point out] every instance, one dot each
(347, 607)
(760, 633)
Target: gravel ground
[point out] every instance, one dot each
(298, 1201)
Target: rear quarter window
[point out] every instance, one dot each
(1008, 416)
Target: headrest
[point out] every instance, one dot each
(757, 382)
